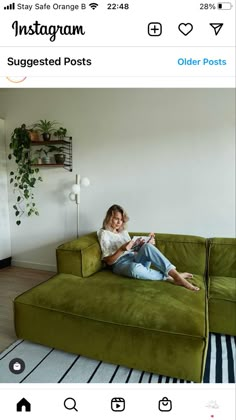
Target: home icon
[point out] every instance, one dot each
(23, 405)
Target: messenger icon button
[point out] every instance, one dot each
(164, 404)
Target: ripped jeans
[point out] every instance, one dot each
(137, 265)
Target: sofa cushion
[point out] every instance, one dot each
(222, 285)
(154, 326)
(111, 298)
(222, 305)
(222, 288)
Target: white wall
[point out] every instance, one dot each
(5, 238)
(166, 155)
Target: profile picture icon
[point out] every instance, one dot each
(14, 79)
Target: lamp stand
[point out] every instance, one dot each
(75, 194)
(77, 200)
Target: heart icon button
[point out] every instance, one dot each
(185, 28)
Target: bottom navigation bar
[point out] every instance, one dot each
(131, 401)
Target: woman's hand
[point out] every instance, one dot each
(152, 240)
(127, 246)
(111, 259)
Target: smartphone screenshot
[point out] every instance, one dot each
(117, 210)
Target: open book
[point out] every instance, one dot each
(139, 241)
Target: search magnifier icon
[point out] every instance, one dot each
(70, 404)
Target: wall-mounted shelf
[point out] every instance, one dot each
(47, 164)
(65, 143)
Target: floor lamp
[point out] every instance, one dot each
(75, 194)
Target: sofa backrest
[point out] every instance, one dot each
(186, 252)
(222, 257)
(82, 257)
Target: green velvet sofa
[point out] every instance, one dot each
(145, 325)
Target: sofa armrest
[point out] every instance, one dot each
(80, 257)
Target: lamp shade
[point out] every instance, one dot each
(75, 188)
(72, 196)
(85, 182)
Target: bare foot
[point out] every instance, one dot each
(186, 275)
(180, 280)
(186, 284)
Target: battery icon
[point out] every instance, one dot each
(224, 6)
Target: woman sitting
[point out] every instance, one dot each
(118, 252)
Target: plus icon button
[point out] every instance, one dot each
(154, 29)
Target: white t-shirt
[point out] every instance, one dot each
(110, 241)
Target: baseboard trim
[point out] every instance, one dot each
(5, 262)
(35, 266)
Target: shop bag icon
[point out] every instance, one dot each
(165, 404)
(17, 366)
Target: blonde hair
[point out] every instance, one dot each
(115, 208)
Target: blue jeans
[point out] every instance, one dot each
(137, 265)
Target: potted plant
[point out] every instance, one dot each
(60, 133)
(34, 135)
(24, 178)
(46, 128)
(43, 156)
(37, 159)
(59, 155)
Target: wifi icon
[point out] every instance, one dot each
(93, 5)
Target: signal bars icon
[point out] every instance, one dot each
(10, 6)
(93, 5)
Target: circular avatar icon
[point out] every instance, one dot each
(15, 79)
(17, 366)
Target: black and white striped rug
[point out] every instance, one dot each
(47, 365)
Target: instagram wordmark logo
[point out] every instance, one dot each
(37, 29)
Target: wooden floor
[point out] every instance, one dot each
(14, 281)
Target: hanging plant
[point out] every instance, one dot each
(24, 178)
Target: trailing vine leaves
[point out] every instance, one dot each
(24, 178)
